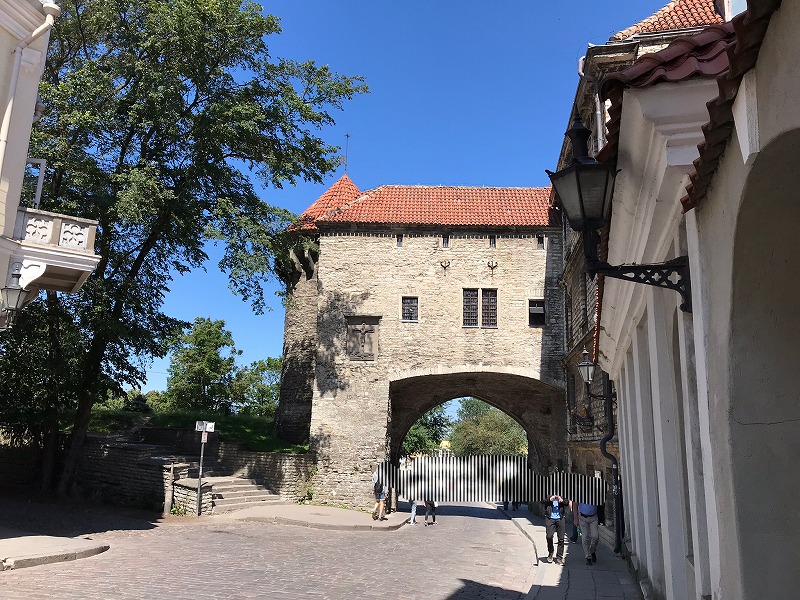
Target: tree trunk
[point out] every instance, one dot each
(91, 372)
(50, 451)
(75, 444)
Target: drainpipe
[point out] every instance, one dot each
(598, 109)
(52, 10)
(619, 524)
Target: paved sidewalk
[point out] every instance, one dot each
(608, 578)
(574, 580)
(19, 549)
(317, 517)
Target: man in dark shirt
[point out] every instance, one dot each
(555, 508)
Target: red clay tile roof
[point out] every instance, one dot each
(339, 194)
(678, 14)
(726, 52)
(700, 55)
(750, 27)
(447, 206)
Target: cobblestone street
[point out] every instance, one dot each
(471, 553)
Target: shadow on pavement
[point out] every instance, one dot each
(465, 510)
(25, 511)
(472, 590)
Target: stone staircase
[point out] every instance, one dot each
(235, 493)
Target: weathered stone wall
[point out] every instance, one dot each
(367, 274)
(184, 500)
(293, 417)
(186, 441)
(18, 466)
(284, 474)
(126, 473)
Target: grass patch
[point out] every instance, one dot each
(110, 421)
(254, 433)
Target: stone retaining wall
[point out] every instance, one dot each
(127, 473)
(18, 466)
(285, 474)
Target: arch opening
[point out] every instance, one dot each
(537, 407)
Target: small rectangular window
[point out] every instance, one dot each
(410, 308)
(492, 241)
(399, 240)
(445, 241)
(488, 308)
(540, 242)
(470, 308)
(536, 316)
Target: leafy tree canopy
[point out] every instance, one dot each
(256, 388)
(427, 433)
(160, 117)
(483, 429)
(202, 368)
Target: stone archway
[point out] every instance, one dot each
(763, 415)
(536, 406)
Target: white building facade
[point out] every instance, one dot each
(49, 251)
(708, 403)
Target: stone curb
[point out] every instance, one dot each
(328, 526)
(34, 560)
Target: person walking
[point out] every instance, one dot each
(555, 508)
(379, 491)
(430, 511)
(585, 516)
(413, 520)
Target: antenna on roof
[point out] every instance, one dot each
(346, 149)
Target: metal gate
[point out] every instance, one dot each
(486, 478)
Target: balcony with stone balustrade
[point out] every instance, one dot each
(52, 251)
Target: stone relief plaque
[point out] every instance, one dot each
(362, 337)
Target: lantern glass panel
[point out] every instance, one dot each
(565, 183)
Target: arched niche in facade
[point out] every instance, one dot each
(763, 424)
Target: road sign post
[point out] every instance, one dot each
(205, 427)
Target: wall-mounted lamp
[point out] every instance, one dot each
(12, 297)
(492, 264)
(445, 264)
(587, 370)
(585, 188)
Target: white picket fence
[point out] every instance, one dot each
(486, 478)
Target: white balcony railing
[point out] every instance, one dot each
(53, 229)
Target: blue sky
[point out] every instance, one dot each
(461, 93)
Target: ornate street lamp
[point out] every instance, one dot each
(586, 368)
(585, 188)
(12, 297)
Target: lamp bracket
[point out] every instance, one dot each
(655, 274)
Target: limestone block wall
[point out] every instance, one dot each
(284, 474)
(126, 473)
(182, 440)
(184, 500)
(293, 416)
(367, 274)
(18, 465)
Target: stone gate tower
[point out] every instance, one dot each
(417, 295)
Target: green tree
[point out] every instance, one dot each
(427, 433)
(256, 387)
(160, 117)
(202, 368)
(483, 429)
